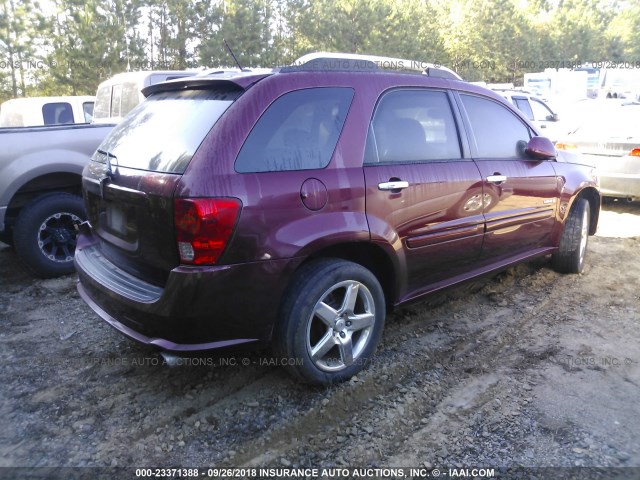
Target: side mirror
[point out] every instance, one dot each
(553, 117)
(540, 148)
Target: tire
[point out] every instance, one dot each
(315, 316)
(45, 236)
(573, 243)
(6, 237)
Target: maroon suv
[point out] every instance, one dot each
(297, 207)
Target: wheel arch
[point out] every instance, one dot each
(69, 182)
(592, 195)
(370, 256)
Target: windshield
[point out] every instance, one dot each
(163, 132)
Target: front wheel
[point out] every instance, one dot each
(45, 236)
(573, 243)
(331, 321)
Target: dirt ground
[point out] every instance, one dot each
(530, 368)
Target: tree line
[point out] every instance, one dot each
(67, 47)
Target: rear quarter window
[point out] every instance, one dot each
(116, 101)
(299, 131)
(87, 111)
(130, 97)
(102, 106)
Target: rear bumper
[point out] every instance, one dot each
(158, 342)
(200, 308)
(620, 184)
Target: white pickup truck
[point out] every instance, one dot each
(41, 175)
(39, 111)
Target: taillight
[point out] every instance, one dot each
(566, 146)
(203, 227)
(635, 152)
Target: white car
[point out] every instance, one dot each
(536, 110)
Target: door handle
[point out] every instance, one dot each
(497, 178)
(394, 185)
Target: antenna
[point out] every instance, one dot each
(126, 41)
(232, 54)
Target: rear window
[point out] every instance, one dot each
(57, 113)
(163, 132)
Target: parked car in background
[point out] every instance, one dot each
(297, 207)
(536, 110)
(118, 95)
(610, 140)
(39, 111)
(40, 183)
(41, 167)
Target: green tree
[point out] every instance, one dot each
(89, 42)
(171, 31)
(246, 25)
(345, 25)
(623, 34)
(18, 34)
(487, 40)
(578, 29)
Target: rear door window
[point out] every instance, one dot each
(498, 132)
(162, 133)
(299, 131)
(541, 111)
(524, 106)
(413, 126)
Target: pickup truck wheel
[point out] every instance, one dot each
(573, 243)
(7, 237)
(331, 321)
(45, 235)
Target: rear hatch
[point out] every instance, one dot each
(130, 182)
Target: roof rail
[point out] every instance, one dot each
(336, 61)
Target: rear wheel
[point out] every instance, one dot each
(331, 321)
(573, 243)
(45, 234)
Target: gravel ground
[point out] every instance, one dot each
(530, 368)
